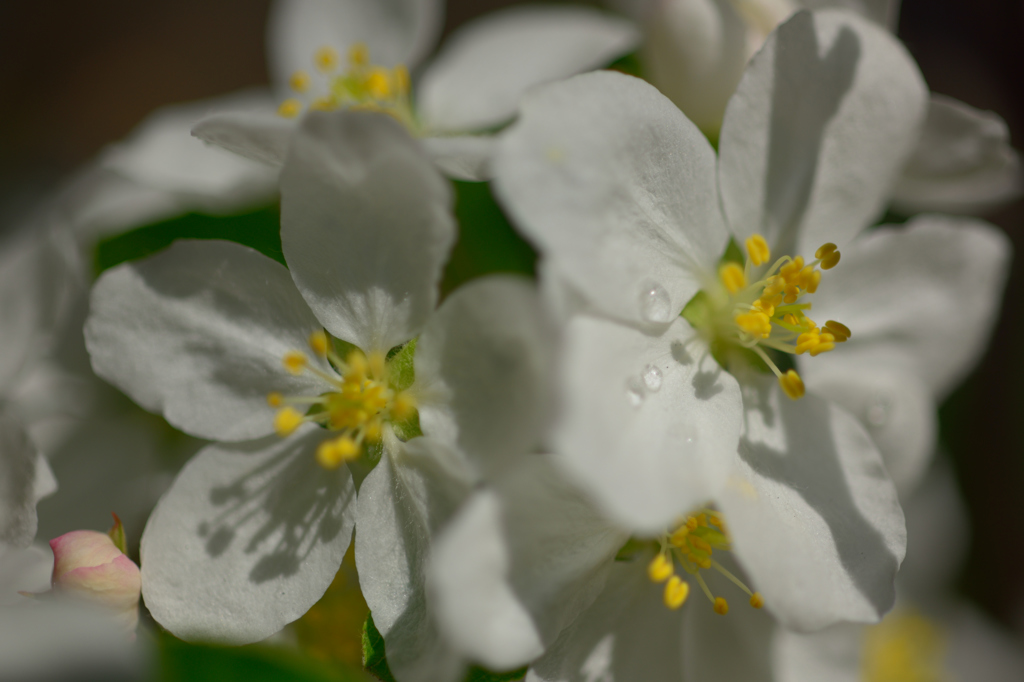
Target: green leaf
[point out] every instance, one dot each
(401, 372)
(260, 229)
(486, 243)
(628, 64)
(184, 662)
(376, 663)
(117, 535)
(374, 659)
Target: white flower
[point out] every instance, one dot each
(358, 53)
(623, 196)
(254, 528)
(695, 52)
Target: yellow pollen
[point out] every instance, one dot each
(275, 399)
(721, 606)
(756, 324)
(295, 361)
(287, 420)
(660, 568)
(326, 59)
(358, 55)
(358, 367)
(378, 83)
(838, 330)
(290, 108)
(676, 592)
(404, 406)
(756, 600)
(318, 343)
(372, 431)
(377, 363)
(829, 255)
(299, 81)
(904, 647)
(732, 277)
(757, 249)
(792, 384)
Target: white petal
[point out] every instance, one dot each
(24, 570)
(820, 127)
(366, 226)
(734, 647)
(963, 163)
(464, 157)
(396, 31)
(894, 406)
(484, 68)
(695, 53)
(483, 369)
(162, 153)
(247, 539)
(921, 299)
(260, 136)
(402, 503)
(519, 563)
(612, 183)
(813, 515)
(649, 424)
(628, 634)
(20, 475)
(197, 333)
(884, 12)
(833, 655)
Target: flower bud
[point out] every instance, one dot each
(89, 565)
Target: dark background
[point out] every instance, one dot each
(75, 76)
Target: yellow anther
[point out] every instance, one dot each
(358, 55)
(829, 255)
(660, 568)
(756, 600)
(372, 431)
(318, 342)
(811, 285)
(721, 606)
(822, 347)
(404, 406)
(347, 448)
(378, 84)
(678, 538)
(326, 59)
(290, 108)
(766, 306)
(691, 523)
(807, 341)
(732, 277)
(377, 362)
(792, 384)
(357, 367)
(755, 324)
(792, 269)
(295, 361)
(401, 79)
(757, 249)
(299, 81)
(790, 319)
(287, 420)
(275, 399)
(327, 455)
(700, 543)
(839, 330)
(676, 592)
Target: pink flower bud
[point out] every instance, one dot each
(89, 565)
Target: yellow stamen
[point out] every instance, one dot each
(378, 83)
(358, 55)
(404, 406)
(275, 399)
(377, 363)
(721, 606)
(840, 331)
(757, 249)
(295, 361)
(299, 81)
(732, 277)
(792, 384)
(401, 79)
(326, 59)
(676, 592)
(290, 108)
(660, 569)
(287, 420)
(318, 343)
(756, 600)
(829, 255)
(756, 324)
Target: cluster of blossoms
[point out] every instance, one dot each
(722, 382)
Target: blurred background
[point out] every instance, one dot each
(77, 76)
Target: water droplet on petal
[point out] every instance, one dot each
(652, 377)
(634, 392)
(655, 304)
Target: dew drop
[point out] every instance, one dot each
(652, 377)
(655, 304)
(634, 392)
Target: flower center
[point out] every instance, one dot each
(691, 546)
(904, 647)
(362, 402)
(363, 86)
(769, 311)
